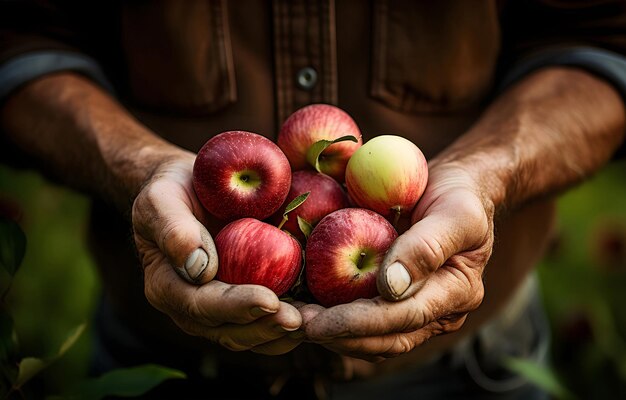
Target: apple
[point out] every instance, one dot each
(311, 124)
(388, 174)
(326, 196)
(254, 252)
(240, 174)
(344, 253)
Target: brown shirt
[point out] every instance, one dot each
(423, 70)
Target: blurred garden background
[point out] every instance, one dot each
(583, 280)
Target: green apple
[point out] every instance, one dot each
(388, 174)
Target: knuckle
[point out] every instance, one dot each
(451, 323)
(428, 254)
(401, 344)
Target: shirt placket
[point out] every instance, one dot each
(304, 54)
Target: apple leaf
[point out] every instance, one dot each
(295, 203)
(305, 226)
(125, 382)
(313, 155)
(12, 245)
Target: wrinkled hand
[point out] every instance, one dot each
(430, 280)
(179, 260)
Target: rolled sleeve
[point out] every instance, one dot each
(24, 68)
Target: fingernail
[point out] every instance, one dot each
(281, 328)
(260, 311)
(196, 263)
(398, 279)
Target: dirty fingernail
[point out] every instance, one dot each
(281, 329)
(196, 263)
(398, 279)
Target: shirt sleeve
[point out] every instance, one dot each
(42, 37)
(590, 35)
(26, 67)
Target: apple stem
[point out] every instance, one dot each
(396, 216)
(359, 265)
(280, 226)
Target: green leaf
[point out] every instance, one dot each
(539, 375)
(70, 340)
(313, 155)
(295, 203)
(12, 245)
(305, 226)
(126, 382)
(31, 366)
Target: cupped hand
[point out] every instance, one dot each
(430, 280)
(180, 261)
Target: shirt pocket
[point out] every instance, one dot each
(179, 55)
(433, 56)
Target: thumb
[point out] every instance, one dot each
(421, 250)
(162, 216)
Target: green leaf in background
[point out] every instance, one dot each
(126, 382)
(305, 227)
(540, 376)
(12, 245)
(31, 366)
(313, 155)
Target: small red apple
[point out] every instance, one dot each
(326, 196)
(241, 174)
(253, 252)
(388, 174)
(344, 253)
(311, 124)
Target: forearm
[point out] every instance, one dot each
(84, 137)
(544, 134)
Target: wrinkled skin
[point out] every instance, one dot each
(445, 251)
(168, 225)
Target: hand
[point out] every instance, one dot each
(431, 276)
(178, 253)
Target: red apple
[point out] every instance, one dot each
(388, 174)
(318, 122)
(251, 251)
(344, 253)
(241, 174)
(326, 196)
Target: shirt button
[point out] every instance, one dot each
(306, 78)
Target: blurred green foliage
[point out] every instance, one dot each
(56, 287)
(583, 281)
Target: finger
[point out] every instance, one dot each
(211, 304)
(280, 346)
(237, 337)
(162, 214)
(309, 312)
(451, 290)
(429, 243)
(374, 348)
